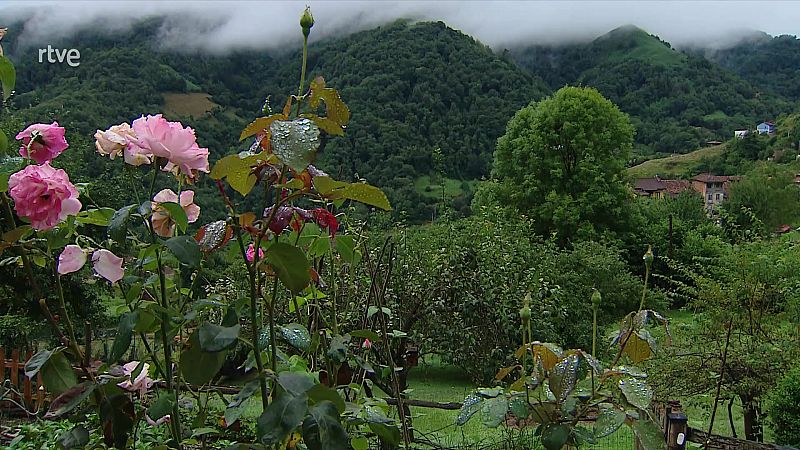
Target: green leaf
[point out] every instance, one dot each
(322, 429)
(36, 362)
(57, 374)
(346, 246)
(337, 350)
(519, 408)
(291, 265)
(238, 171)
(388, 433)
(359, 443)
(320, 393)
(177, 214)
(162, 406)
(555, 436)
(100, 217)
(258, 125)
(335, 109)
(564, 377)
(117, 419)
(494, 411)
(296, 335)
(608, 421)
(214, 338)
(639, 348)
(234, 410)
(122, 341)
(636, 391)
(296, 383)
(325, 124)
(198, 366)
(281, 417)
(649, 435)
(69, 400)
(3, 150)
(186, 249)
(366, 334)
(77, 437)
(118, 225)
(294, 142)
(360, 192)
(8, 77)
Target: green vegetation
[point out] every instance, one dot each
(681, 165)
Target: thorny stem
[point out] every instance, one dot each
(302, 72)
(165, 320)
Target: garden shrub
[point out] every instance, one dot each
(458, 288)
(783, 406)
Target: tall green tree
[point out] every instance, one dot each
(562, 163)
(769, 192)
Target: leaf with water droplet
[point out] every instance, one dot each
(471, 405)
(608, 420)
(259, 125)
(494, 411)
(636, 391)
(564, 377)
(649, 435)
(296, 335)
(295, 142)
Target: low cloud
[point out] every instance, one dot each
(221, 26)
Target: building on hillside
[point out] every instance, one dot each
(766, 128)
(741, 134)
(658, 188)
(713, 188)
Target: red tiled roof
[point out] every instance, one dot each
(708, 178)
(675, 187)
(649, 184)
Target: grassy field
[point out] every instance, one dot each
(676, 165)
(195, 104)
(433, 189)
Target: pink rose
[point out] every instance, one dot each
(163, 224)
(72, 258)
(43, 195)
(48, 142)
(141, 384)
(156, 136)
(114, 141)
(367, 344)
(251, 253)
(108, 265)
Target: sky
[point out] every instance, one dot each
(218, 26)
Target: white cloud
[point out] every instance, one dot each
(218, 26)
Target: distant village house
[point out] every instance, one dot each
(713, 188)
(741, 134)
(766, 128)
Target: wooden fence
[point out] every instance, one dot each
(18, 394)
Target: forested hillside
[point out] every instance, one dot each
(677, 101)
(413, 88)
(770, 64)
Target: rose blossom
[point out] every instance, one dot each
(71, 259)
(251, 253)
(163, 224)
(108, 265)
(43, 195)
(156, 136)
(142, 383)
(114, 141)
(48, 142)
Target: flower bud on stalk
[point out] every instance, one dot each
(525, 312)
(596, 298)
(648, 257)
(307, 21)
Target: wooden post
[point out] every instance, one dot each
(677, 427)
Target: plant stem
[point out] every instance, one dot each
(302, 72)
(62, 307)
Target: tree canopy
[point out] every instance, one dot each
(562, 162)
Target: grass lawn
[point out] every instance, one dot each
(432, 188)
(676, 165)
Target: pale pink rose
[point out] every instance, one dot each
(154, 423)
(71, 259)
(107, 265)
(163, 224)
(114, 141)
(156, 136)
(141, 384)
(48, 142)
(43, 195)
(367, 344)
(251, 253)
